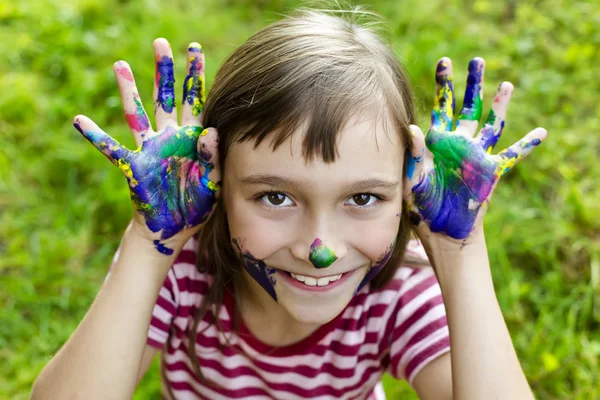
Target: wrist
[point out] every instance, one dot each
(139, 251)
(448, 256)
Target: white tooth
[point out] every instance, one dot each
(335, 277)
(299, 277)
(323, 282)
(310, 281)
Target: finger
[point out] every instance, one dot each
(108, 146)
(470, 114)
(509, 157)
(208, 151)
(415, 156)
(136, 116)
(193, 86)
(443, 102)
(489, 135)
(165, 111)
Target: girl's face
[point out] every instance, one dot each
(327, 225)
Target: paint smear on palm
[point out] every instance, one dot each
(165, 83)
(443, 103)
(450, 196)
(167, 184)
(320, 255)
(261, 272)
(377, 266)
(193, 86)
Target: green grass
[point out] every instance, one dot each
(63, 207)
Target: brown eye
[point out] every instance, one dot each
(276, 199)
(361, 199)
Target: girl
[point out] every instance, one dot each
(266, 257)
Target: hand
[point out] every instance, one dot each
(449, 182)
(173, 175)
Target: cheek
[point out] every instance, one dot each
(259, 235)
(374, 238)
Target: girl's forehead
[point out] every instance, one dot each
(364, 145)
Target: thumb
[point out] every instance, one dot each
(208, 151)
(414, 159)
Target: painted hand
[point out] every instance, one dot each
(451, 174)
(173, 175)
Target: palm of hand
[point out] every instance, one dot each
(168, 174)
(457, 172)
(167, 182)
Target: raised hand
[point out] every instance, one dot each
(451, 174)
(173, 175)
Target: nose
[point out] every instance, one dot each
(321, 255)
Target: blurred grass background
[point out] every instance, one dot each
(63, 207)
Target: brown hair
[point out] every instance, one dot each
(314, 70)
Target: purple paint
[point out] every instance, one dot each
(165, 83)
(377, 266)
(263, 274)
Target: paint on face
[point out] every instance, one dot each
(162, 248)
(472, 107)
(165, 82)
(193, 86)
(263, 274)
(450, 195)
(377, 267)
(138, 120)
(165, 178)
(320, 255)
(443, 103)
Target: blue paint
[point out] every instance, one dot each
(162, 248)
(261, 273)
(165, 82)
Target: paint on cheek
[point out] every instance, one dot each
(263, 274)
(377, 266)
(320, 255)
(138, 120)
(450, 196)
(165, 83)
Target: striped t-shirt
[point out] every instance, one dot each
(398, 329)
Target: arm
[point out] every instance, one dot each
(102, 358)
(173, 180)
(484, 362)
(451, 175)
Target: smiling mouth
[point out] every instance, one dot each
(312, 283)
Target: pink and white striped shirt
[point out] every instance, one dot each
(398, 329)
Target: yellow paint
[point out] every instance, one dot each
(126, 168)
(214, 186)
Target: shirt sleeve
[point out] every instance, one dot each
(167, 304)
(420, 330)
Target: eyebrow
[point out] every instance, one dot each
(354, 186)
